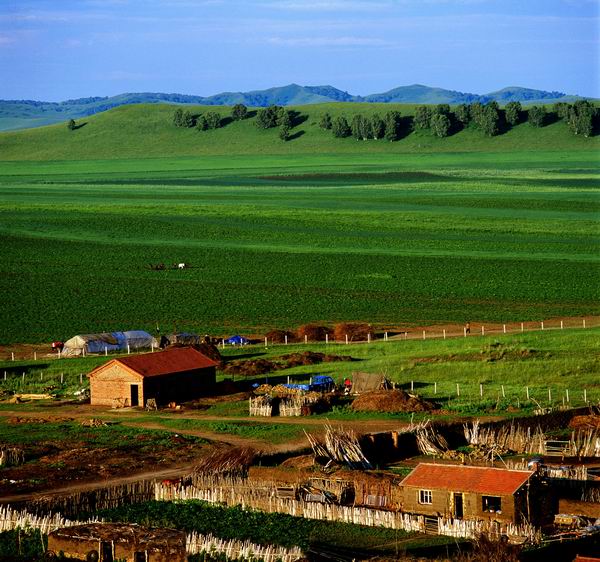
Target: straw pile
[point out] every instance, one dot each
(509, 438)
(391, 401)
(233, 462)
(11, 456)
(339, 446)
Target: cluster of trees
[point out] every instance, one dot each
(276, 116)
(364, 127)
(441, 120)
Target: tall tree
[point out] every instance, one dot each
(392, 125)
(357, 126)
(188, 119)
(201, 123)
(441, 109)
(476, 111)
(581, 118)
(268, 117)
(561, 109)
(512, 112)
(213, 120)
(490, 120)
(440, 125)
(284, 132)
(536, 116)
(178, 117)
(71, 125)
(325, 122)
(340, 127)
(422, 117)
(377, 126)
(239, 111)
(463, 114)
(285, 119)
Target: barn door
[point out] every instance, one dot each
(106, 549)
(135, 395)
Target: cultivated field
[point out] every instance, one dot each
(279, 241)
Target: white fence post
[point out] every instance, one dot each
(423, 334)
(285, 339)
(522, 327)
(346, 339)
(444, 334)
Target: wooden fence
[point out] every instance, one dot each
(265, 498)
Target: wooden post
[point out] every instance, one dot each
(288, 379)
(457, 390)
(584, 322)
(62, 378)
(482, 330)
(5, 378)
(223, 343)
(369, 337)
(444, 334)
(550, 396)
(423, 334)
(59, 352)
(305, 339)
(435, 387)
(285, 339)
(266, 342)
(481, 390)
(465, 332)
(527, 392)
(326, 338)
(83, 351)
(412, 385)
(106, 350)
(13, 355)
(23, 377)
(80, 378)
(584, 390)
(128, 350)
(41, 376)
(522, 326)
(503, 395)
(561, 324)
(35, 355)
(504, 328)
(385, 336)
(567, 393)
(346, 339)
(542, 324)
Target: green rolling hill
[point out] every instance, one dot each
(17, 114)
(146, 130)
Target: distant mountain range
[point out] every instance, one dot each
(17, 114)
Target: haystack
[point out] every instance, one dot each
(390, 401)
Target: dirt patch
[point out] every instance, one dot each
(391, 401)
(585, 422)
(253, 367)
(16, 420)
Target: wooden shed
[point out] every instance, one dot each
(175, 375)
(109, 542)
(471, 492)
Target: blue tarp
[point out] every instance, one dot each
(237, 340)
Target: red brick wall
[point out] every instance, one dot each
(112, 387)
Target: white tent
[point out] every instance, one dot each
(108, 341)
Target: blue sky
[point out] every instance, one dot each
(59, 49)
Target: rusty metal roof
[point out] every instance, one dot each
(458, 478)
(174, 360)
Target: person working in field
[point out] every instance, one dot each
(347, 386)
(468, 328)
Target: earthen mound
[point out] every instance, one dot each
(391, 401)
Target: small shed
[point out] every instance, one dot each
(469, 492)
(175, 375)
(109, 542)
(365, 382)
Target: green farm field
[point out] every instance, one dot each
(416, 232)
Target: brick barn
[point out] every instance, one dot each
(474, 492)
(175, 375)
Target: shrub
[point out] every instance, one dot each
(278, 336)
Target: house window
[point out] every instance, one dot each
(491, 504)
(425, 496)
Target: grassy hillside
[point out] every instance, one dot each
(144, 131)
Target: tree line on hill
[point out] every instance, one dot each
(581, 118)
(266, 118)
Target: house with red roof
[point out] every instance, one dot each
(476, 492)
(175, 375)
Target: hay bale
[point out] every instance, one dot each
(313, 332)
(391, 401)
(354, 331)
(278, 336)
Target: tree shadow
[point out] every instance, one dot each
(226, 121)
(79, 125)
(296, 135)
(297, 117)
(405, 127)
